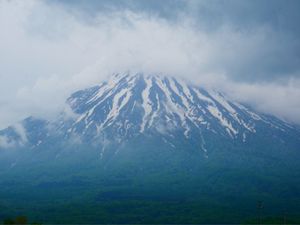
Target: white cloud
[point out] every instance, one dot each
(4, 142)
(21, 131)
(48, 52)
(280, 99)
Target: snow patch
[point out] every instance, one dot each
(146, 103)
(224, 122)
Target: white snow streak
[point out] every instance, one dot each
(146, 103)
(217, 114)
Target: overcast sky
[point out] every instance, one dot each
(249, 49)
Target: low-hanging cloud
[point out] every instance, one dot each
(48, 51)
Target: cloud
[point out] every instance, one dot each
(4, 142)
(49, 51)
(280, 99)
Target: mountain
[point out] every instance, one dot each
(127, 107)
(150, 149)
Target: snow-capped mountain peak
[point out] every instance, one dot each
(144, 103)
(127, 106)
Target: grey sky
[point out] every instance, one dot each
(280, 55)
(250, 49)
